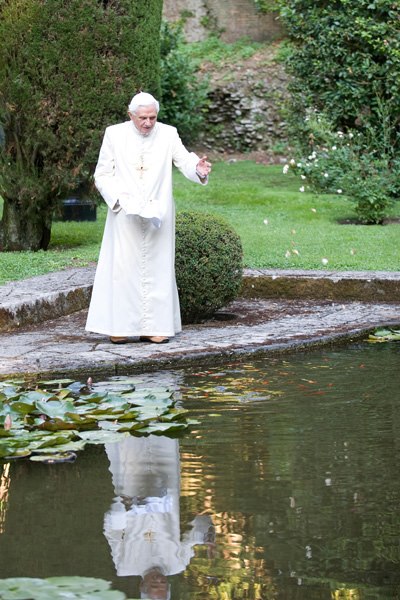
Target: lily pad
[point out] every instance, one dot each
(60, 417)
(101, 437)
(385, 334)
(55, 457)
(53, 588)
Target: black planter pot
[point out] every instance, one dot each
(76, 209)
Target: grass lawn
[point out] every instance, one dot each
(280, 227)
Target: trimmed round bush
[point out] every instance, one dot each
(208, 264)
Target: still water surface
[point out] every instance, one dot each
(288, 488)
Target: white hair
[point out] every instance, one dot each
(143, 99)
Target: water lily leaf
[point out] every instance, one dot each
(144, 397)
(102, 437)
(65, 446)
(112, 405)
(57, 425)
(122, 386)
(80, 588)
(112, 426)
(62, 394)
(104, 595)
(54, 458)
(55, 408)
(33, 396)
(80, 584)
(161, 428)
(174, 414)
(49, 442)
(10, 451)
(384, 335)
(60, 382)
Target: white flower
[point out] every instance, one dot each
(285, 169)
(301, 189)
(351, 135)
(340, 134)
(334, 148)
(265, 221)
(299, 165)
(287, 253)
(339, 191)
(292, 161)
(326, 174)
(303, 177)
(314, 210)
(324, 261)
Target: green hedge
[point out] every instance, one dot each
(208, 264)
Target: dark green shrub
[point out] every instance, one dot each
(345, 59)
(183, 93)
(208, 264)
(67, 70)
(344, 113)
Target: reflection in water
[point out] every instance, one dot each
(142, 525)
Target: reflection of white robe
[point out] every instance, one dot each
(142, 525)
(134, 291)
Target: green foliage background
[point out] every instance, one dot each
(67, 70)
(345, 58)
(183, 93)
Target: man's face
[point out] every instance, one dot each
(155, 585)
(144, 119)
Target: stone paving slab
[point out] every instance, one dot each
(62, 347)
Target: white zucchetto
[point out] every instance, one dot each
(143, 99)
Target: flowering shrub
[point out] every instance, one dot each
(344, 162)
(345, 98)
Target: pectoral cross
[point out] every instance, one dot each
(141, 168)
(149, 536)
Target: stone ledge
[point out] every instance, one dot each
(39, 299)
(369, 286)
(44, 297)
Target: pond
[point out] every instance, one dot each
(287, 488)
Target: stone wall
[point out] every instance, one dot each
(245, 100)
(233, 19)
(245, 111)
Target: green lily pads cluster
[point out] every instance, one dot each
(53, 420)
(385, 334)
(79, 588)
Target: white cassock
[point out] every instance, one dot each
(142, 526)
(134, 291)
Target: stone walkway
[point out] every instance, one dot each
(42, 322)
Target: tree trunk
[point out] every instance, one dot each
(19, 231)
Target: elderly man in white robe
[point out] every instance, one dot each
(134, 292)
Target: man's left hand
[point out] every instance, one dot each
(203, 167)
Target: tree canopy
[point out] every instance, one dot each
(67, 70)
